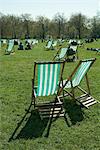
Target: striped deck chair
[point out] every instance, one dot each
(10, 47)
(61, 55)
(47, 75)
(74, 81)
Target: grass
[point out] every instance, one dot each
(81, 129)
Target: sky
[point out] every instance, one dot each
(49, 8)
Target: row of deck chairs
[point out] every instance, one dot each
(51, 44)
(48, 80)
(10, 45)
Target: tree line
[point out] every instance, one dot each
(23, 26)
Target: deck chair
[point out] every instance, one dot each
(98, 50)
(47, 75)
(4, 41)
(74, 81)
(49, 45)
(54, 44)
(10, 47)
(61, 55)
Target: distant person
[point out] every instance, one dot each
(20, 46)
(74, 43)
(15, 42)
(28, 46)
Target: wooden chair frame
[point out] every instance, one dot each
(72, 92)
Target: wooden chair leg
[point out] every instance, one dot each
(87, 81)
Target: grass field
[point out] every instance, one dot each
(82, 129)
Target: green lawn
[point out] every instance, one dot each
(81, 131)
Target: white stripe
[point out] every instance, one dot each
(35, 93)
(41, 79)
(45, 80)
(55, 78)
(50, 81)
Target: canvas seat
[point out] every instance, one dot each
(54, 44)
(61, 54)
(49, 45)
(10, 47)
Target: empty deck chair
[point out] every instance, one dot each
(34, 42)
(98, 50)
(49, 45)
(54, 44)
(74, 81)
(10, 47)
(61, 54)
(47, 75)
(4, 41)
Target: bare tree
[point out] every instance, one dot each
(42, 23)
(78, 26)
(59, 20)
(26, 18)
(78, 21)
(95, 29)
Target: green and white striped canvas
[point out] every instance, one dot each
(48, 76)
(63, 52)
(10, 46)
(81, 71)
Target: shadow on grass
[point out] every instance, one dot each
(73, 112)
(34, 127)
(31, 126)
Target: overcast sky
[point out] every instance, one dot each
(49, 8)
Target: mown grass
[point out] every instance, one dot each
(81, 129)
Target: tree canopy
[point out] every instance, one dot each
(77, 26)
